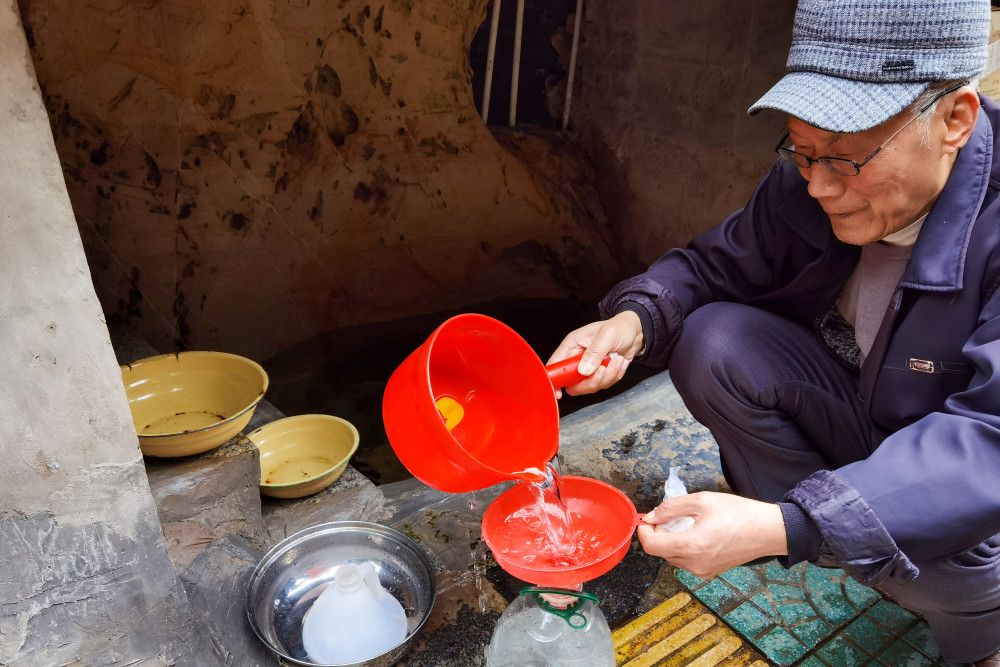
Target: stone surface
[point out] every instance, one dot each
(351, 498)
(204, 497)
(216, 584)
(334, 148)
(445, 524)
(85, 577)
(460, 626)
(632, 440)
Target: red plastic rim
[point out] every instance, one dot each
(603, 517)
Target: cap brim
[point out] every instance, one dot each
(838, 105)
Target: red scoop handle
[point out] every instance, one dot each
(564, 374)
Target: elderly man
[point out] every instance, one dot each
(840, 335)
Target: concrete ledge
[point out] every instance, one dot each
(207, 496)
(216, 584)
(351, 498)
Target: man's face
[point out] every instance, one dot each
(894, 189)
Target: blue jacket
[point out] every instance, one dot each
(932, 487)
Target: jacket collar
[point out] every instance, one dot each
(938, 260)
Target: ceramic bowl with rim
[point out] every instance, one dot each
(302, 455)
(290, 577)
(190, 402)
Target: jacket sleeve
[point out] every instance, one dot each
(734, 261)
(950, 458)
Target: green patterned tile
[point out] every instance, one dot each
(808, 616)
(795, 612)
(891, 616)
(868, 635)
(744, 579)
(901, 654)
(780, 647)
(784, 593)
(749, 620)
(826, 592)
(811, 632)
(839, 651)
(687, 578)
(861, 596)
(920, 637)
(775, 573)
(718, 596)
(763, 600)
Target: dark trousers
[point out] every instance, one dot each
(781, 407)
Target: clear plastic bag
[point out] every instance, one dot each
(672, 488)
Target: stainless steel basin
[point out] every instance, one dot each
(293, 574)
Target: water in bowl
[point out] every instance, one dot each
(554, 538)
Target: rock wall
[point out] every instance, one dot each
(84, 573)
(247, 174)
(661, 107)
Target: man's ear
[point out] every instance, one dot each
(960, 118)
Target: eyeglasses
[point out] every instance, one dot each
(843, 166)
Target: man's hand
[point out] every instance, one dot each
(621, 334)
(729, 530)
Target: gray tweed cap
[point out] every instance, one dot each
(855, 64)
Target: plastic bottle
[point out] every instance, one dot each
(550, 627)
(353, 619)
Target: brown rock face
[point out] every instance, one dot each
(247, 174)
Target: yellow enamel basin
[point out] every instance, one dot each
(302, 455)
(190, 402)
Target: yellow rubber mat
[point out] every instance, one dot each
(681, 632)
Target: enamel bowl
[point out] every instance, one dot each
(190, 402)
(302, 455)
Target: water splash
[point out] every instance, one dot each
(532, 475)
(478, 550)
(555, 542)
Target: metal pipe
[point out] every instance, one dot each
(490, 59)
(517, 62)
(572, 63)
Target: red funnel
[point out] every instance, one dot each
(603, 518)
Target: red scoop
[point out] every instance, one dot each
(474, 406)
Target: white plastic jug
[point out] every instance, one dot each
(354, 619)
